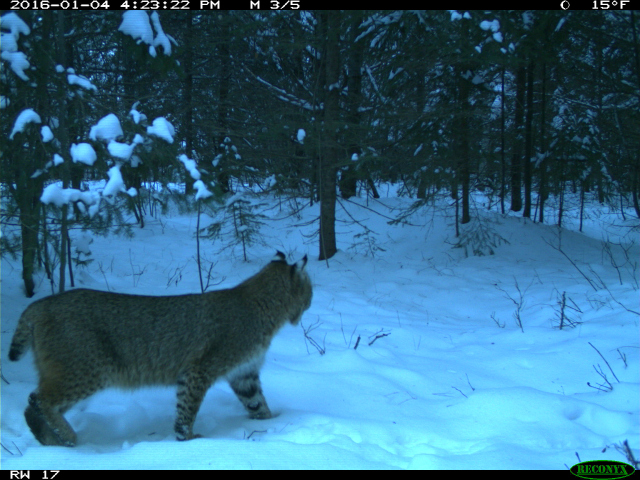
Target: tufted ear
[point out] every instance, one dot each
(280, 257)
(298, 267)
(302, 263)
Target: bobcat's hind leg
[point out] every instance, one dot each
(248, 389)
(56, 394)
(47, 423)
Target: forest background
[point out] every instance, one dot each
(313, 107)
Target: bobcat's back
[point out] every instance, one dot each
(133, 340)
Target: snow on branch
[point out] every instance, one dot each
(161, 127)
(199, 185)
(136, 24)
(26, 116)
(9, 44)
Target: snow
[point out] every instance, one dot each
(199, 185)
(107, 129)
(442, 377)
(115, 184)
(124, 151)
(18, 62)
(47, 134)
(25, 117)
(301, 135)
(161, 39)
(161, 127)
(493, 25)
(136, 24)
(82, 243)
(137, 116)
(83, 153)
(12, 23)
(202, 191)
(55, 194)
(81, 81)
(190, 165)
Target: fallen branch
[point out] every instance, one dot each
(379, 335)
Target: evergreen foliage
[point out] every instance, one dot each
(519, 105)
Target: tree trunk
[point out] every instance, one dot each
(330, 151)
(29, 220)
(503, 160)
(463, 143)
(542, 190)
(188, 98)
(528, 143)
(516, 156)
(64, 141)
(349, 175)
(223, 98)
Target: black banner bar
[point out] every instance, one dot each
(272, 5)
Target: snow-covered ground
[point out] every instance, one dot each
(442, 376)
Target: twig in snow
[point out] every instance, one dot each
(460, 392)
(519, 303)
(602, 387)
(378, 335)
(595, 288)
(473, 389)
(623, 357)
(14, 444)
(497, 322)
(256, 431)
(605, 361)
(344, 336)
(308, 330)
(563, 317)
(625, 449)
(104, 275)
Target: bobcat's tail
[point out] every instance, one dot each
(22, 337)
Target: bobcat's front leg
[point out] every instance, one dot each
(192, 387)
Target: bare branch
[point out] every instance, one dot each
(605, 361)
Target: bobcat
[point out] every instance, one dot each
(87, 340)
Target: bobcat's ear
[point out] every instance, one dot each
(301, 264)
(280, 257)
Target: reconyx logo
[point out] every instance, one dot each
(609, 469)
